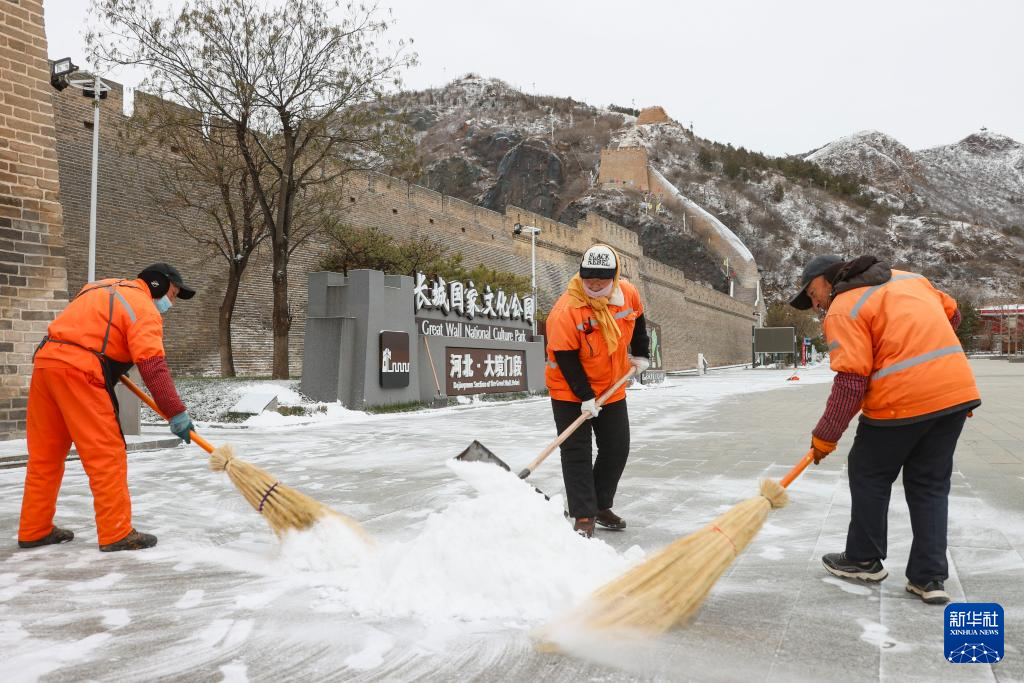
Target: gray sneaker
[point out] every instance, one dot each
(838, 564)
(933, 592)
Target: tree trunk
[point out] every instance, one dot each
(281, 316)
(227, 310)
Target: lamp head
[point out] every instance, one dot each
(59, 72)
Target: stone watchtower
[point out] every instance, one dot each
(33, 275)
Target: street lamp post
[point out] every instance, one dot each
(519, 229)
(95, 168)
(96, 90)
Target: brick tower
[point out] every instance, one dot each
(33, 274)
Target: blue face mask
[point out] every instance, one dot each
(163, 304)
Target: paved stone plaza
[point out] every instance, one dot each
(206, 603)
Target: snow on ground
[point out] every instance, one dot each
(466, 557)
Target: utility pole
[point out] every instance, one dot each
(95, 174)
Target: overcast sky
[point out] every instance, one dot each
(779, 77)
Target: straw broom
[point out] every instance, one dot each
(672, 585)
(284, 508)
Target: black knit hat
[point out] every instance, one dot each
(159, 277)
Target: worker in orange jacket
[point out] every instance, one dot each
(109, 326)
(595, 333)
(892, 342)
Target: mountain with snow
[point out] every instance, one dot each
(954, 213)
(890, 166)
(978, 179)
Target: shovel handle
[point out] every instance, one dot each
(797, 469)
(200, 441)
(528, 470)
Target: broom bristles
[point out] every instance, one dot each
(284, 508)
(672, 584)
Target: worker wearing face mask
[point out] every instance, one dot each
(109, 326)
(596, 331)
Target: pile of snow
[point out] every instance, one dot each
(504, 554)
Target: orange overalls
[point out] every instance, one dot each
(70, 400)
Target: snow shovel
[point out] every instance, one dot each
(477, 452)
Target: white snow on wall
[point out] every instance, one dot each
(725, 233)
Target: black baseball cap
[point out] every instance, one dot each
(817, 266)
(158, 288)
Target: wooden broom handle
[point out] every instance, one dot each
(797, 469)
(200, 441)
(574, 426)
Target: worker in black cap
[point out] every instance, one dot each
(893, 345)
(107, 328)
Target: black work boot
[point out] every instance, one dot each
(933, 592)
(135, 540)
(839, 565)
(584, 526)
(610, 520)
(56, 535)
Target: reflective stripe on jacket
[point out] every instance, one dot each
(576, 329)
(898, 335)
(135, 330)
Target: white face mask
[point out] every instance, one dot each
(600, 293)
(163, 304)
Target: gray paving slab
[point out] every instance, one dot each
(774, 616)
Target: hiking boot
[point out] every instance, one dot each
(56, 535)
(584, 526)
(933, 592)
(839, 565)
(610, 520)
(135, 540)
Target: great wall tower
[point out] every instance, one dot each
(629, 168)
(33, 279)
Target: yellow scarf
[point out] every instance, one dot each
(609, 329)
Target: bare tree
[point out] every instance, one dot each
(301, 92)
(205, 187)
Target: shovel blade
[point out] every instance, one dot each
(477, 452)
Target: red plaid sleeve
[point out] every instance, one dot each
(157, 377)
(844, 402)
(955, 320)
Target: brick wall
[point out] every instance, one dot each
(652, 115)
(624, 167)
(133, 232)
(33, 280)
(629, 167)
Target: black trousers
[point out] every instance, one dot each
(590, 483)
(924, 452)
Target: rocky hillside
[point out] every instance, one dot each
(955, 213)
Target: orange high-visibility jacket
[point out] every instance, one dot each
(576, 329)
(898, 335)
(136, 329)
